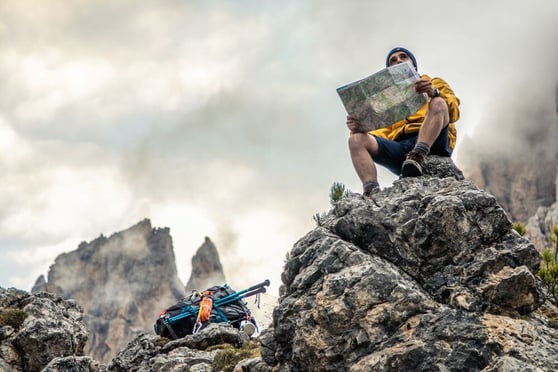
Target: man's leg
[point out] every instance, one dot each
(436, 119)
(362, 147)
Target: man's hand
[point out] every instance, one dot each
(425, 86)
(353, 124)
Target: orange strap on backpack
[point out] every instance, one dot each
(206, 305)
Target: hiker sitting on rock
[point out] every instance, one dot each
(403, 146)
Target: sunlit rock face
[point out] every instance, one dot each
(122, 283)
(427, 275)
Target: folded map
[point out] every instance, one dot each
(383, 98)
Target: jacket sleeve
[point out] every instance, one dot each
(449, 96)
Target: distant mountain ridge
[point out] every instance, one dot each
(518, 164)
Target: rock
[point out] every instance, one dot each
(74, 364)
(442, 167)
(50, 336)
(427, 275)
(52, 328)
(252, 365)
(207, 270)
(152, 353)
(268, 346)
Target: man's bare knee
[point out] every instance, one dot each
(438, 106)
(358, 141)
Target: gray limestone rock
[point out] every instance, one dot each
(152, 353)
(74, 364)
(52, 328)
(428, 275)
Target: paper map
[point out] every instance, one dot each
(383, 98)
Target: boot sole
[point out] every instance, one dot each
(411, 168)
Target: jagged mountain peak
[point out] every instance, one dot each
(207, 269)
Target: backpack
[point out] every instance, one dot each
(214, 305)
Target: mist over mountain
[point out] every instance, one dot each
(123, 282)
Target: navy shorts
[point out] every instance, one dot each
(391, 154)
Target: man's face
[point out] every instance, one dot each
(399, 57)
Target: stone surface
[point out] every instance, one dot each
(151, 353)
(74, 364)
(53, 328)
(427, 275)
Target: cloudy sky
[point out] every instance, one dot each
(220, 118)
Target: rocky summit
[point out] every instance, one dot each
(428, 275)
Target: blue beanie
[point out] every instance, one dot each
(400, 49)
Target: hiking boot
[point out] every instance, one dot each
(370, 190)
(413, 164)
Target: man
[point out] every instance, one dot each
(403, 146)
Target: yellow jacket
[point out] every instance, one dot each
(412, 123)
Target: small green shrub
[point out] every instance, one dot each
(337, 192)
(520, 228)
(12, 317)
(161, 341)
(229, 356)
(549, 266)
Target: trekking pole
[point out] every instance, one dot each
(237, 296)
(256, 286)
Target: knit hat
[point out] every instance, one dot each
(406, 51)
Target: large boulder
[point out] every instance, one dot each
(49, 328)
(426, 275)
(191, 353)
